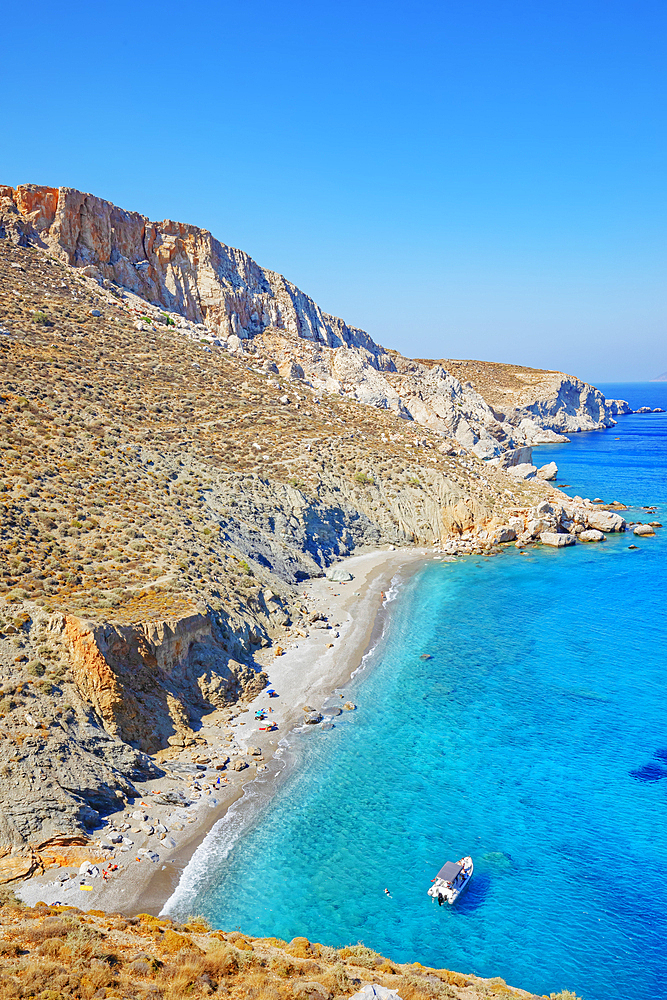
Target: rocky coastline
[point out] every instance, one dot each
(189, 445)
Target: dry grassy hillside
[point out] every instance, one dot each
(116, 434)
(58, 952)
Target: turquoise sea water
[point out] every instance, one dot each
(534, 739)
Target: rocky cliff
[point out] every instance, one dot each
(186, 271)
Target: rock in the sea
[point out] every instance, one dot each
(312, 718)
(591, 535)
(349, 706)
(644, 530)
(338, 575)
(549, 471)
(606, 520)
(558, 541)
(644, 409)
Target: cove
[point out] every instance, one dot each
(534, 738)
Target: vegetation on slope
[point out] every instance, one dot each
(54, 953)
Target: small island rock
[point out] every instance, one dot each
(643, 530)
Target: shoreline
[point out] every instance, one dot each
(309, 671)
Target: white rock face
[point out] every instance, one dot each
(606, 520)
(591, 535)
(548, 472)
(339, 575)
(557, 541)
(523, 471)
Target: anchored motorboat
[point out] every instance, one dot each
(452, 879)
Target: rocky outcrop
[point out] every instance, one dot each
(548, 472)
(567, 406)
(182, 268)
(150, 682)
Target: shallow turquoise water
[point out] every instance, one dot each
(535, 739)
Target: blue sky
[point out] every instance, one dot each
(461, 179)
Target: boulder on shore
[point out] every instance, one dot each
(312, 718)
(549, 471)
(522, 471)
(338, 575)
(558, 541)
(592, 535)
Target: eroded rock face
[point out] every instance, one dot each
(180, 267)
(148, 682)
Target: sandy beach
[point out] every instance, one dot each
(145, 849)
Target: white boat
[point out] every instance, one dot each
(452, 879)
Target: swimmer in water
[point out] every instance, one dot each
(387, 893)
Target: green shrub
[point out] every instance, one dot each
(365, 480)
(36, 669)
(41, 319)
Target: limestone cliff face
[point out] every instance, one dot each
(185, 270)
(180, 267)
(149, 683)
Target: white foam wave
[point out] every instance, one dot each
(220, 841)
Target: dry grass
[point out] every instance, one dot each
(113, 446)
(59, 952)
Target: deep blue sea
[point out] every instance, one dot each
(534, 739)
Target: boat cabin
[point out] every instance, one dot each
(450, 871)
